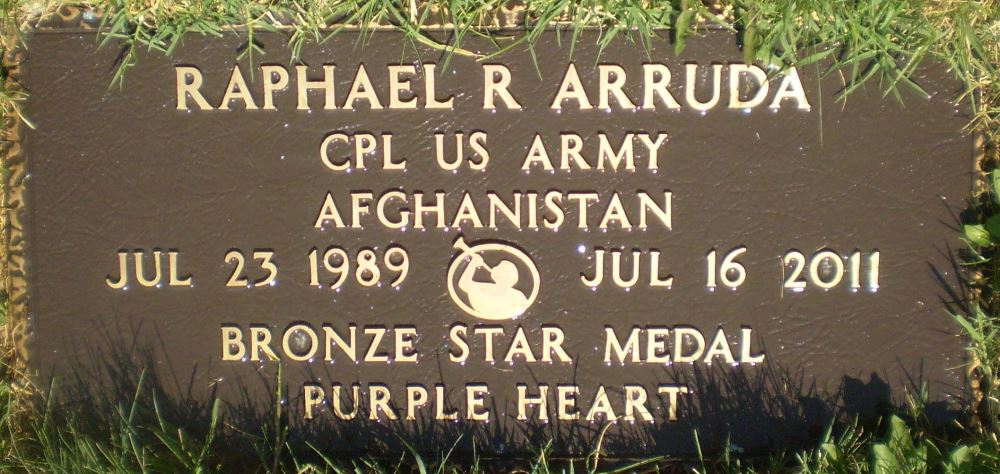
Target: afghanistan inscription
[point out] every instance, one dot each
(499, 249)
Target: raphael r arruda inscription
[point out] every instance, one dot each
(500, 249)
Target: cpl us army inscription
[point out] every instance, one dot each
(493, 250)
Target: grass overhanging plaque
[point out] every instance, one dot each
(564, 244)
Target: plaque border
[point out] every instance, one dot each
(13, 258)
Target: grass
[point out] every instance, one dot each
(879, 41)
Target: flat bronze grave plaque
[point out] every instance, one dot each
(506, 250)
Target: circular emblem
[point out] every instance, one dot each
(492, 280)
